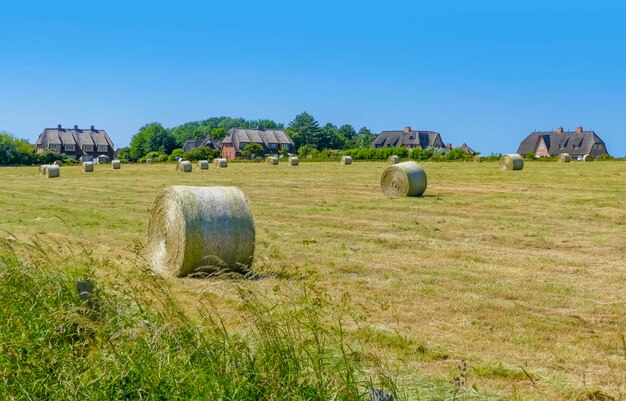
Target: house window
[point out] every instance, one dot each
(599, 146)
(242, 145)
(55, 147)
(273, 145)
(88, 148)
(103, 148)
(284, 145)
(70, 147)
(541, 146)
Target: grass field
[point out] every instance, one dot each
(522, 275)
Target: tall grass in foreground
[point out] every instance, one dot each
(134, 341)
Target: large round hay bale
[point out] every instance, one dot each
(58, 163)
(272, 161)
(203, 164)
(564, 158)
(53, 171)
(183, 167)
(346, 160)
(222, 163)
(194, 229)
(588, 158)
(258, 159)
(404, 179)
(294, 161)
(511, 162)
(479, 159)
(393, 159)
(116, 164)
(88, 167)
(42, 169)
(148, 161)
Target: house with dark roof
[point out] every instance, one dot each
(272, 141)
(551, 143)
(408, 138)
(466, 149)
(190, 145)
(76, 143)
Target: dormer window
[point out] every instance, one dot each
(103, 148)
(242, 145)
(88, 148)
(273, 145)
(284, 145)
(55, 147)
(411, 137)
(70, 147)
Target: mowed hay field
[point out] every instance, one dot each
(522, 274)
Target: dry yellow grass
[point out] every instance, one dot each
(506, 271)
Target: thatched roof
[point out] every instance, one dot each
(408, 138)
(73, 136)
(237, 136)
(468, 150)
(208, 142)
(576, 143)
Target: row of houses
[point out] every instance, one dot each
(88, 144)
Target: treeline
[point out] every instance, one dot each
(304, 130)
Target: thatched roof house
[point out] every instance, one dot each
(76, 143)
(551, 143)
(409, 139)
(272, 141)
(190, 145)
(468, 150)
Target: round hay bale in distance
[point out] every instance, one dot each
(272, 161)
(393, 159)
(346, 160)
(58, 163)
(222, 163)
(184, 167)
(588, 158)
(116, 164)
(203, 164)
(564, 158)
(194, 229)
(511, 162)
(294, 161)
(404, 179)
(53, 171)
(88, 167)
(478, 158)
(148, 161)
(258, 159)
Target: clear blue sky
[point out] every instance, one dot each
(485, 73)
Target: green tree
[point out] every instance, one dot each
(347, 133)
(251, 150)
(328, 138)
(123, 153)
(152, 137)
(306, 128)
(202, 153)
(363, 138)
(15, 151)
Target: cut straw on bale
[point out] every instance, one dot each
(346, 160)
(200, 229)
(294, 161)
(183, 167)
(564, 158)
(58, 163)
(116, 164)
(53, 171)
(479, 159)
(393, 159)
(272, 161)
(511, 162)
(88, 167)
(588, 158)
(203, 164)
(404, 179)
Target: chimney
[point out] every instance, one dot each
(92, 128)
(559, 130)
(76, 128)
(406, 130)
(59, 127)
(449, 146)
(579, 130)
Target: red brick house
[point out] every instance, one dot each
(272, 141)
(76, 143)
(551, 143)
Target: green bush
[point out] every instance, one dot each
(202, 153)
